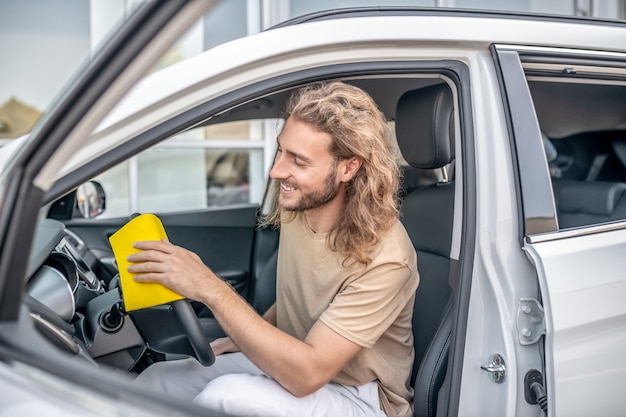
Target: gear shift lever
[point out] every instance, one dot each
(112, 320)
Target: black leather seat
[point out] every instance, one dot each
(265, 286)
(425, 134)
(264, 282)
(581, 203)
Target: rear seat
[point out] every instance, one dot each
(581, 203)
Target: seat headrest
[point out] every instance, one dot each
(596, 198)
(425, 126)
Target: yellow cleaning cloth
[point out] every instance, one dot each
(145, 294)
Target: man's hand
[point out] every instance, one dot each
(177, 268)
(224, 345)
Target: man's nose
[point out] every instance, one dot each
(278, 171)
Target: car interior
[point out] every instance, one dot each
(424, 129)
(423, 112)
(92, 317)
(585, 132)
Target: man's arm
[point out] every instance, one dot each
(301, 367)
(226, 345)
(270, 315)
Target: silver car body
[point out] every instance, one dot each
(577, 275)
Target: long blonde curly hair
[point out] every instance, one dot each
(358, 128)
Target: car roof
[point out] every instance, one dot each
(392, 26)
(378, 11)
(186, 85)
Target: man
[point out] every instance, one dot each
(338, 340)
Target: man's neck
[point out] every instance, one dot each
(324, 219)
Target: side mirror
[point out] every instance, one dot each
(90, 199)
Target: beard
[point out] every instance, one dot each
(317, 198)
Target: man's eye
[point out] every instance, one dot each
(298, 163)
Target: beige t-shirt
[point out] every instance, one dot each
(369, 305)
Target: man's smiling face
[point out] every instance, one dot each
(304, 167)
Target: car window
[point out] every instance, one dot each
(584, 137)
(209, 166)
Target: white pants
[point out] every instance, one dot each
(235, 386)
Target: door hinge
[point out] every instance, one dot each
(531, 323)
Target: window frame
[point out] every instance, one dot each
(538, 220)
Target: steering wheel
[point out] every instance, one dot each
(186, 316)
(193, 330)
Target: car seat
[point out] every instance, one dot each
(425, 134)
(581, 203)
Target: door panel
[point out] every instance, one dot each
(223, 238)
(584, 286)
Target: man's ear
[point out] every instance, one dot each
(349, 167)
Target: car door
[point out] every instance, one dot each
(37, 378)
(571, 185)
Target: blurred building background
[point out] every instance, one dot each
(43, 43)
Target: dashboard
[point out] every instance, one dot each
(62, 281)
(69, 245)
(84, 315)
(71, 306)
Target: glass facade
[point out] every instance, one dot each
(215, 166)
